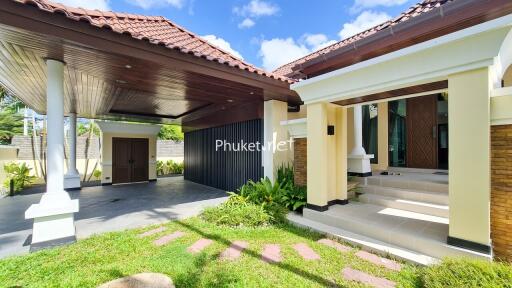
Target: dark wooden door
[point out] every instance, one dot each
(421, 132)
(139, 160)
(129, 160)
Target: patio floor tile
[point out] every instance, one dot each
(199, 245)
(334, 244)
(168, 238)
(152, 232)
(234, 251)
(306, 252)
(372, 258)
(361, 277)
(271, 253)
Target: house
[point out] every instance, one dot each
(425, 98)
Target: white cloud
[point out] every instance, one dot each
(87, 4)
(364, 21)
(148, 4)
(317, 41)
(222, 44)
(256, 8)
(247, 23)
(364, 4)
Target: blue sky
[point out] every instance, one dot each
(266, 33)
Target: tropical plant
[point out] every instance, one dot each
(285, 176)
(295, 199)
(171, 132)
(262, 192)
(96, 174)
(19, 174)
(11, 120)
(172, 167)
(160, 168)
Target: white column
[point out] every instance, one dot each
(72, 178)
(53, 216)
(358, 160)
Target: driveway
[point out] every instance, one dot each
(109, 208)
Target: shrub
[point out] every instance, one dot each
(467, 273)
(295, 198)
(96, 174)
(285, 176)
(19, 174)
(236, 214)
(262, 192)
(160, 168)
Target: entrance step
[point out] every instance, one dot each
(424, 234)
(417, 181)
(407, 205)
(437, 198)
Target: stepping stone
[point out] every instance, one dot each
(168, 238)
(372, 258)
(306, 252)
(335, 245)
(199, 245)
(271, 253)
(142, 280)
(152, 232)
(361, 277)
(234, 251)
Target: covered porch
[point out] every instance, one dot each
(426, 194)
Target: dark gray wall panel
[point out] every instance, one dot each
(226, 170)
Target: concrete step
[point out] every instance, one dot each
(424, 234)
(415, 181)
(407, 205)
(366, 243)
(438, 198)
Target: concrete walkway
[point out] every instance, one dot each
(109, 208)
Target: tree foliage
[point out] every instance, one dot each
(84, 128)
(11, 120)
(171, 132)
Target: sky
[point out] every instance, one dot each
(266, 33)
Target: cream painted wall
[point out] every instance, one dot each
(350, 129)
(382, 135)
(106, 152)
(274, 113)
(469, 142)
(303, 113)
(327, 154)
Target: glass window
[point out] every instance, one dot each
(397, 133)
(370, 131)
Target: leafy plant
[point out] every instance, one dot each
(160, 167)
(295, 199)
(19, 174)
(171, 132)
(174, 167)
(236, 214)
(96, 174)
(262, 192)
(285, 176)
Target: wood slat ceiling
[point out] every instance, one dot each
(101, 85)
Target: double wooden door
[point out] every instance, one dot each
(130, 160)
(422, 148)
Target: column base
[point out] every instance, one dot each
(470, 245)
(72, 182)
(359, 165)
(53, 222)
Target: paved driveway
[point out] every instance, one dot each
(110, 208)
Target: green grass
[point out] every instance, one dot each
(102, 258)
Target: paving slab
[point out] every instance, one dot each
(333, 244)
(168, 238)
(271, 253)
(199, 245)
(362, 277)
(377, 260)
(234, 251)
(306, 252)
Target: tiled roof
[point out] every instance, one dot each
(155, 29)
(414, 11)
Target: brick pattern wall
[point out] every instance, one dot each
(300, 152)
(501, 191)
(169, 148)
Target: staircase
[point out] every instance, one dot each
(409, 211)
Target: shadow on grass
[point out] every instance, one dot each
(299, 272)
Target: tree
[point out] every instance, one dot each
(84, 128)
(11, 121)
(171, 132)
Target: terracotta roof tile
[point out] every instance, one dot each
(414, 11)
(155, 29)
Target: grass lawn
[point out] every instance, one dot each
(102, 258)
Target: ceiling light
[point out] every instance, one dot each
(120, 81)
(127, 66)
(252, 93)
(230, 100)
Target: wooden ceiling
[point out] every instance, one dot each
(105, 84)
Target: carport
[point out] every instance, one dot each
(62, 61)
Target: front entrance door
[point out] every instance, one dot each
(422, 132)
(129, 160)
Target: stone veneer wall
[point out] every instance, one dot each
(300, 152)
(501, 191)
